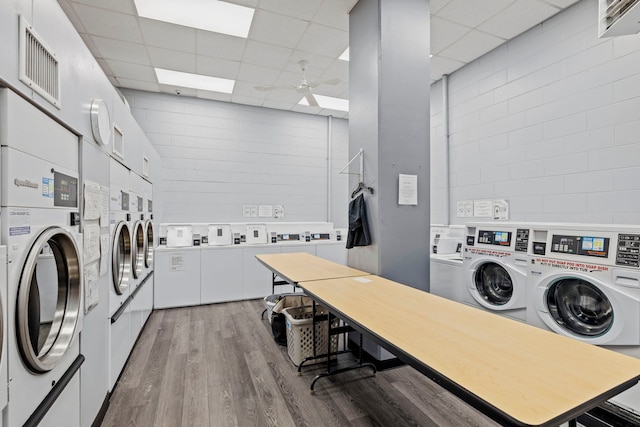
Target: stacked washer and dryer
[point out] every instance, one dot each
(149, 249)
(121, 275)
(44, 304)
(584, 283)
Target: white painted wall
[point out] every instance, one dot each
(217, 157)
(549, 121)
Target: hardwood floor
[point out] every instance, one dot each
(218, 365)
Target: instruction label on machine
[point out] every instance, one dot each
(570, 265)
(177, 263)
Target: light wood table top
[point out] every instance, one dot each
(301, 266)
(527, 375)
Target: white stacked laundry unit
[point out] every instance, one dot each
(584, 283)
(446, 273)
(40, 217)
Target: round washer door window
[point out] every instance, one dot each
(121, 258)
(148, 250)
(49, 299)
(579, 307)
(138, 250)
(493, 283)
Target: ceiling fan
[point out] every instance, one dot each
(304, 87)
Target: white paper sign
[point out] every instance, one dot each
(177, 263)
(464, 209)
(92, 200)
(91, 294)
(278, 211)
(483, 208)
(265, 211)
(104, 206)
(501, 209)
(91, 243)
(104, 254)
(407, 189)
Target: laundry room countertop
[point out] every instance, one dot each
(515, 373)
(301, 266)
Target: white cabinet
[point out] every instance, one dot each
(177, 277)
(220, 274)
(256, 280)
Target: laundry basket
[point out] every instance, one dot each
(299, 323)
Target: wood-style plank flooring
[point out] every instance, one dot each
(218, 365)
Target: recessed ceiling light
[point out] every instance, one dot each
(209, 15)
(345, 55)
(329, 102)
(194, 81)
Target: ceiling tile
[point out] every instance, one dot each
(131, 71)
(121, 51)
(121, 6)
(266, 54)
(518, 18)
(436, 5)
(168, 36)
(247, 89)
(105, 67)
(172, 59)
(219, 45)
(562, 3)
(440, 66)
(323, 40)
(216, 96)
(247, 100)
(471, 46)
(335, 14)
(248, 3)
(444, 33)
(259, 76)
(337, 70)
(173, 90)
(137, 84)
(317, 64)
(277, 29)
(67, 7)
(280, 105)
(88, 41)
(108, 24)
(217, 67)
(294, 8)
(472, 13)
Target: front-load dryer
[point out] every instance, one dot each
(149, 249)
(495, 265)
(120, 270)
(45, 277)
(584, 283)
(138, 270)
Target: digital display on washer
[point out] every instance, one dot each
(65, 190)
(580, 245)
(498, 238)
(628, 250)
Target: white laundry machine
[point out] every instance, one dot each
(495, 267)
(584, 283)
(446, 272)
(44, 291)
(138, 271)
(149, 248)
(121, 261)
(4, 373)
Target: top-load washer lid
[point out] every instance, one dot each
(579, 307)
(256, 234)
(148, 248)
(46, 325)
(121, 258)
(137, 255)
(493, 283)
(179, 236)
(219, 235)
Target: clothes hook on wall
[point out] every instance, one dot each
(361, 185)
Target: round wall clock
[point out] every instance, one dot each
(100, 122)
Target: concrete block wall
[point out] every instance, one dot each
(549, 121)
(218, 157)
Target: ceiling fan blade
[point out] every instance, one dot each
(311, 100)
(324, 82)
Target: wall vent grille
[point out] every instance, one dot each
(118, 142)
(39, 67)
(145, 167)
(616, 10)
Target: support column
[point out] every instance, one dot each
(389, 100)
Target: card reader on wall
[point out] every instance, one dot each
(219, 234)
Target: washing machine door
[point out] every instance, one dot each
(121, 258)
(148, 249)
(138, 249)
(49, 299)
(579, 307)
(493, 284)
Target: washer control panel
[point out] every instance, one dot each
(628, 253)
(580, 245)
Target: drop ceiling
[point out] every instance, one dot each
(282, 33)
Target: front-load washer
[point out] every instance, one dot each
(4, 374)
(138, 271)
(120, 271)
(495, 265)
(149, 248)
(584, 283)
(45, 278)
